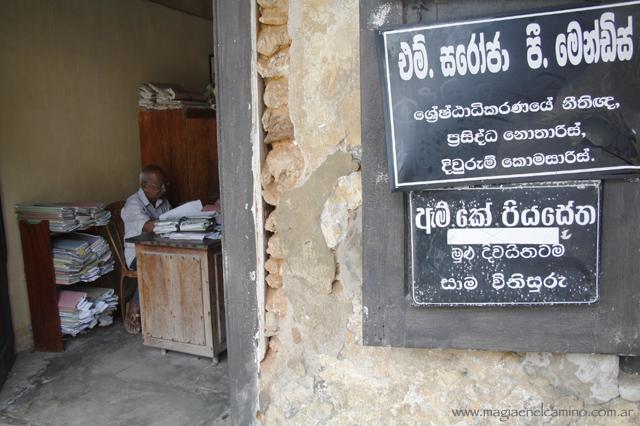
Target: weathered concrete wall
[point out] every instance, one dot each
(316, 370)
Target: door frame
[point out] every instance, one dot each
(239, 139)
(7, 340)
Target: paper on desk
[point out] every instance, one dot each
(185, 210)
(191, 209)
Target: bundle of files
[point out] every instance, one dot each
(86, 307)
(172, 96)
(190, 221)
(189, 228)
(65, 217)
(80, 257)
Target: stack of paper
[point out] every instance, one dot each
(65, 217)
(105, 302)
(85, 308)
(100, 248)
(92, 214)
(75, 312)
(80, 257)
(61, 218)
(166, 226)
(172, 96)
(186, 224)
(189, 222)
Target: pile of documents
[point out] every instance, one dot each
(64, 217)
(172, 96)
(80, 257)
(91, 214)
(189, 222)
(86, 307)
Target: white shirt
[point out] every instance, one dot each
(137, 211)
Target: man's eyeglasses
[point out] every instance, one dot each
(155, 186)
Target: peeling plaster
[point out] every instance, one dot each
(379, 16)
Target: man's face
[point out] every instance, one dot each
(155, 186)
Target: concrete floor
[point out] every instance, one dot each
(109, 378)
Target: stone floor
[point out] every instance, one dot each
(109, 378)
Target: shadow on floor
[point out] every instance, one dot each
(109, 378)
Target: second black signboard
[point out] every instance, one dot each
(528, 244)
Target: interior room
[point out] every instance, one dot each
(92, 93)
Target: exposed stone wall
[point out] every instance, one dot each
(316, 370)
(283, 163)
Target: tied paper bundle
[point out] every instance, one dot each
(65, 217)
(173, 96)
(189, 222)
(80, 257)
(86, 307)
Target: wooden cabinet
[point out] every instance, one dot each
(181, 295)
(183, 143)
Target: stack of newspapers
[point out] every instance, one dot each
(80, 257)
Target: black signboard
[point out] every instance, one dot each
(521, 98)
(530, 244)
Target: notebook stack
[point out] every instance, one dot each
(85, 307)
(80, 257)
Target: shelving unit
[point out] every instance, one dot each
(41, 285)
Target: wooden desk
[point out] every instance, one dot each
(181, 294)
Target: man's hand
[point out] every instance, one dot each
(148, 226)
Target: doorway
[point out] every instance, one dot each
(102, 52)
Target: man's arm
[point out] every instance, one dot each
(136, 219)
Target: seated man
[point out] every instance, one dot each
(139, 215)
